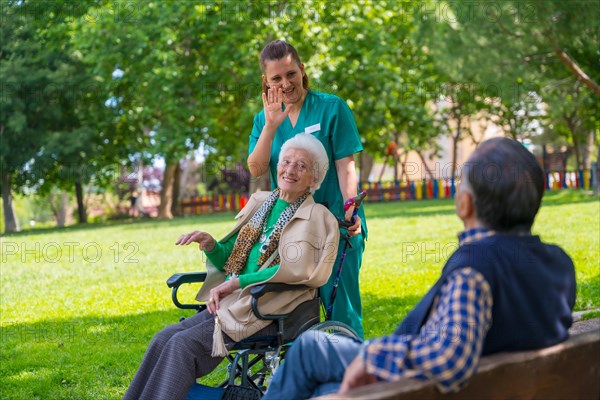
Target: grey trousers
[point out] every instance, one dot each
(177, 356)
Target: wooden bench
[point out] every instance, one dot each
(569, 370)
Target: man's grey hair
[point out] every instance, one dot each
(312, 145)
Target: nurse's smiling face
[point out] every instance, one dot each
(286, 74)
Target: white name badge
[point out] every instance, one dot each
(312, 128)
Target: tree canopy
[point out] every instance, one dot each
(94, 86)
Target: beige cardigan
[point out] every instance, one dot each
(307, 248)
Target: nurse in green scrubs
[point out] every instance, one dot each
(290, 107)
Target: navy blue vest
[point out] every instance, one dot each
(533, 288)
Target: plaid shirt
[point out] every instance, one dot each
(448, 347)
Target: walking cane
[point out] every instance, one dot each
(351, 202)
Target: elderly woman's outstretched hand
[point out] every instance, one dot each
(205, 240)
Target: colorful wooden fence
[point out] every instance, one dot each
(413, 190)
(213, 203)
(446, 188)
(583, 179)
(389, 191)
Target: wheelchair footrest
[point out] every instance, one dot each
(233, 392)
(202, 392)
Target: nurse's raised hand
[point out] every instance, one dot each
(273, 104)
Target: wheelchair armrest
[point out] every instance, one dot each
(259, 290)
(177, 280)
(186, 277)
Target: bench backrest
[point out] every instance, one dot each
(569, 370)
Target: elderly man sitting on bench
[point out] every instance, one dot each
(502, 290)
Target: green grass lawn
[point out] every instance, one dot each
(79, 305)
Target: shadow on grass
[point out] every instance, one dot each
(79, 358)
(383, 314)
(97, 357)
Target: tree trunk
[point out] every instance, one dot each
(588, 150)
(579, 73)
(597, 191)
(403, 174)
(176, 205)
(62, 210)
(139, 182)
(454, 153)
(456, 115)
(427, 169)
(572, 124)
(166, 194)
(396, 157)
(383, 165)
(81, 212)
(11, 223)
(366, 165)
(59, 203)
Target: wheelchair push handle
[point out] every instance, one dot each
(355, 202)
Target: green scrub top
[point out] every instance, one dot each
(329, 119)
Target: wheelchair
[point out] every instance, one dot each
(253, 360)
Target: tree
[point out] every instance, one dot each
(47, 133)
(185, 78)
(31, 105)
(366, 54)
(572, 113)
(514, 53)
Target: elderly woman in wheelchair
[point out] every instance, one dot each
(281, 237)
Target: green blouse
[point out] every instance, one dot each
(250, 274)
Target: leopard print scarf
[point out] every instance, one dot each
(250, 233)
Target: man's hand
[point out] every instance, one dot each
(356, 375)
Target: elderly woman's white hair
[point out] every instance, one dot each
(312, 145)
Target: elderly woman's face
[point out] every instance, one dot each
(295, 174)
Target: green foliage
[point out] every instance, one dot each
(190, 72)
(508, 51)
(93, 86)
(590, 315)
(50, 114)
(79, 305)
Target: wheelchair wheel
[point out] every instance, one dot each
(336, 328)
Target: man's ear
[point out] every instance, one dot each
(465, 206)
